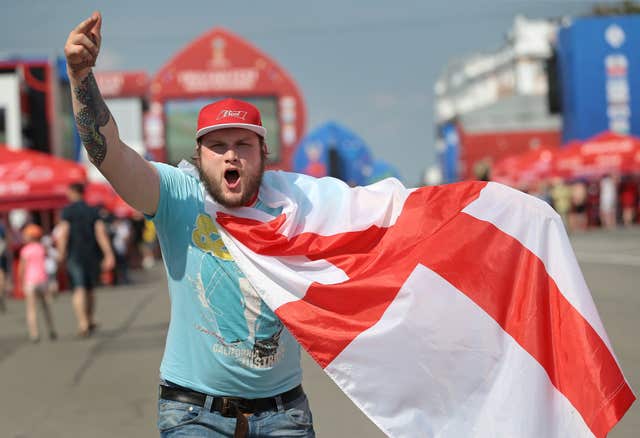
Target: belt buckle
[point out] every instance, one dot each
(229, 406)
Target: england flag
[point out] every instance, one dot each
(447, 311)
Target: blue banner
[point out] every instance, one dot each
(599, 68)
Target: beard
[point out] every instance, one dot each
(249, 187)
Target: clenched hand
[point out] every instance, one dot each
(83, 45)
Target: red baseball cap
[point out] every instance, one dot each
(230, 113)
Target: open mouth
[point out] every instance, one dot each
(232, 177)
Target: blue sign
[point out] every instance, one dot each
(312, 156)
(449, 156)
(599, 68)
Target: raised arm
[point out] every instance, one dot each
(133, 177)
(62, 240)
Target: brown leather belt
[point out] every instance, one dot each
(232, 407)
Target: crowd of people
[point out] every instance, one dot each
(86, 247)
(606, 202)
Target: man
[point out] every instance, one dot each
(83, 241)
(121, 231)
(608, 202)
(230, 367)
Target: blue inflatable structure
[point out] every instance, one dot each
(333, 150)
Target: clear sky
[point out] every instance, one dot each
(370, 65)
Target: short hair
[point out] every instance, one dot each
(78, 188)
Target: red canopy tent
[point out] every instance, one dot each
(605, 153)
(97, 193)
(525, 168)
(35, 180)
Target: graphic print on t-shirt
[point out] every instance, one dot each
(233, 313)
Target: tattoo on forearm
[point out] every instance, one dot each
(91, 118)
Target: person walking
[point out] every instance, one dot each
(121, 232)
(628, 199)
(82, 241)
(578, 209)
(35, 282)
(230, 367)
(147, 246)
(608, 201)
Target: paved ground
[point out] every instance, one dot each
(106, 386)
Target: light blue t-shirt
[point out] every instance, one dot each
(222, 338)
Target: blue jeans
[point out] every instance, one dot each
(177, 419)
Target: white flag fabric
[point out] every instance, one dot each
(444, 311)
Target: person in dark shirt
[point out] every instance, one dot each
(84, 245)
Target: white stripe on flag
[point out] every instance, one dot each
(280, 280)
(445, 368)
(326, 197)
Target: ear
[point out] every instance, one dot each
(196, 154)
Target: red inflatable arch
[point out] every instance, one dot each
(121, 84)
(220, 64)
